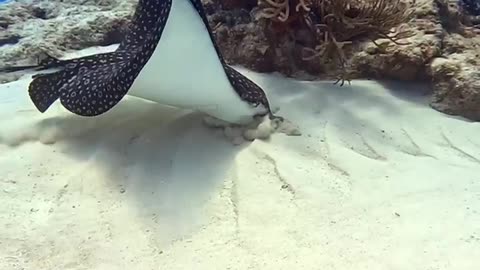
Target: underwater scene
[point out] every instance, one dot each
(239, 134)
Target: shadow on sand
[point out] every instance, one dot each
(163, 160)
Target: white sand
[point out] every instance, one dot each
(378, 180)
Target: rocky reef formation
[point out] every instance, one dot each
(30, 28)
(424, 40)
(456, 73)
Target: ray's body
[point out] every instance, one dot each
(185, 67)
(168, 56)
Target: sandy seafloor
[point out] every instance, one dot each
(378, 180)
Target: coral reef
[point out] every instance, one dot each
(319, 38)
(335, 24)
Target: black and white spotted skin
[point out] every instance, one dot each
(152, 62)
(248, 90)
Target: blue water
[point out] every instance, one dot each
(3, 1)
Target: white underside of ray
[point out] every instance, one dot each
(185, 71)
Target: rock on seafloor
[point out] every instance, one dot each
(456, 75)
(30, 28)
(443, 50)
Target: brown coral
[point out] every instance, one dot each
(337, 23)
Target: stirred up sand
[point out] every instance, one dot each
(377, 180)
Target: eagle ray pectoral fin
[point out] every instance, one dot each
(98, 90)
(249, 91)
(45, 89)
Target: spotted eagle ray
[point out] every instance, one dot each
(169, 55)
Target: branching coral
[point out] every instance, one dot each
(337, 23)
